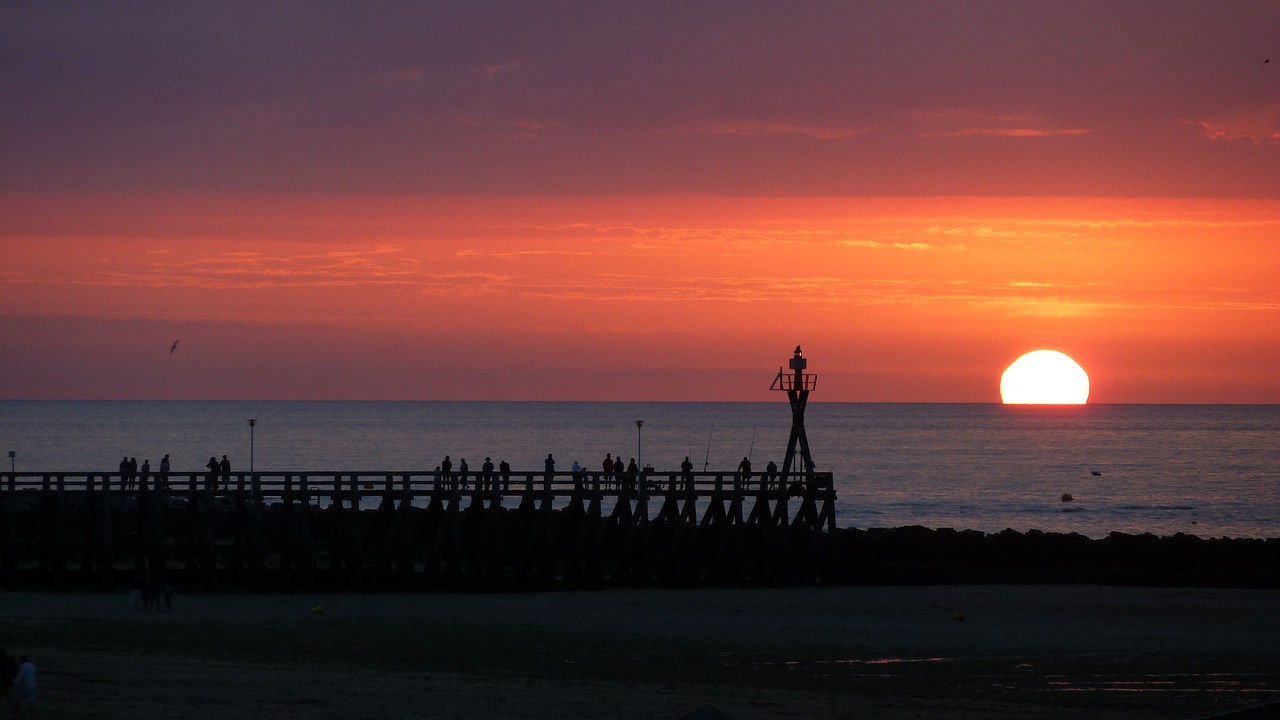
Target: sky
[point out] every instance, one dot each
(637, 201)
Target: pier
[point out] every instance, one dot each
(381, 531)
(367, 531)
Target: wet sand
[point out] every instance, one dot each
(857, 652)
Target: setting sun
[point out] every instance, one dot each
(1044, 377)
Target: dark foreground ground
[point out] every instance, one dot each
(949, 652)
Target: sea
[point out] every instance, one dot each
(1205, 470)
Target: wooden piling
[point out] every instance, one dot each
(411, 531)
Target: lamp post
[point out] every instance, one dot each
(252, 422)
(639, 424)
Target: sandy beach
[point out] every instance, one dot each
(858, 652)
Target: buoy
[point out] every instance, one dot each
(317, 610)
(1066, 497)
(1096, 473)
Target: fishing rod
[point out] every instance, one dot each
(707, 460)
(752, 451)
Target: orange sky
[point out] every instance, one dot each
(695, 298)
(501, 200)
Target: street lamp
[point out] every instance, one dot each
(252, 422)
(639, 424)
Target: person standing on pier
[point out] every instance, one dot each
(607, 467)
(124, 473)
(486, 476)
(744, 472)
(211, 480)
(162, 481)
(549, 467)
(633, 474)
(224, 467)
(686, 472)
(771, 475)
(446, 472)
(143, 474)
(504, 469)
(577, 476)
(462, 474)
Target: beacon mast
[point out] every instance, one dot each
(797, 385)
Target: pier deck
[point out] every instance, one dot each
(381, 530)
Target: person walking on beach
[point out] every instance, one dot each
(224, 467)
(24, 687)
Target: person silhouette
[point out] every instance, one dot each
(549, 467)
(162, 482)
(24, 687)
(633, 474)
(211, 480)
(446, 471)
(224, 467)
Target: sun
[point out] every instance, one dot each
(1044, 377)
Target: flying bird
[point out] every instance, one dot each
(173, 347)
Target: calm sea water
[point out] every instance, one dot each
(1213, 471)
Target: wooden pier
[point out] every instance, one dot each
(413, 531)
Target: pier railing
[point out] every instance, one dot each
(411, 529)
(361, 485)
